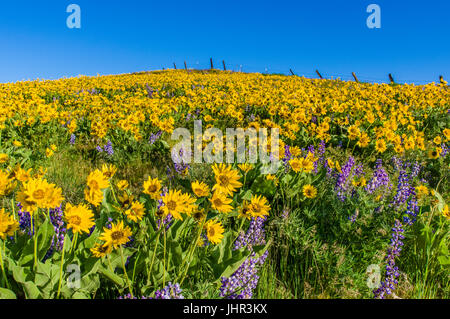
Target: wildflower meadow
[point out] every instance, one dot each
(99, 200)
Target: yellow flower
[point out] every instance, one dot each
(214, 231)
(433, 153)
(8, 225)
(3, 158)
(380, 146)
(54, 196)
(123, 184)
(361, 182)
(200, 189)
(245, 167)
(353, 132)
(446, 133)
(109, 171)
(309, 191)
(23, 175)
(79, 218)
(101, 250)
(221, 203)
(49, 152)
(97, 181)
(437, 140)
(38, 193)
(95, 197)
(174, 204)
(330, 163)
(421, 191)
(244, 210)
(259, 206)
(445, 211)
(17, 143)
(53, 147)
(363, 140)
(338, 167)
(6, 184)
(152, 187)
(135, 212)
(117, 235)
(227, 179)
(296, 164)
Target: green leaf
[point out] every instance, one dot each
(116, 279)
(7, 294)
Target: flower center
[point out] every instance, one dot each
(218, 202)
(116, 235)
(171, 205)
(76, 220)
(38, 194)
(224, 180)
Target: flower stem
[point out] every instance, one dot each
(34, 239)
(153, 258)
(125, 272)
(193, 250)
(164, 258)
(61, 268)
(3, 268)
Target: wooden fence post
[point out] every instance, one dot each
(391, 78)
(212, 66)
(185, 66)
(290, 70)
(224, 67)
(354, 76)
(320, 76)
(175, 66)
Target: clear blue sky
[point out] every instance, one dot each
(130, 35)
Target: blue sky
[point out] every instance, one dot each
(258, 36)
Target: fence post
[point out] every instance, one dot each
(320, 76)
(354, 76)
(175, 66)
(290, 70)
(224, 67)
(185, 66)
(212, 66)
(391, 79)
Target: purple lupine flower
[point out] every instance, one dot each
(72, 139)
(343, 182)
(254, 236)
(154, 137)
(57, 220)
(171, 291)
(397, 162)
(411, 211)
(99, 149)
(287, 156)
(285, 213)
(24, 220)
(354, 216)
(243, 281)
(109, 148)
(404, 190)
(380, 179)
(388, 284)
(444, 150)
(241, 284)
(416, 169)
